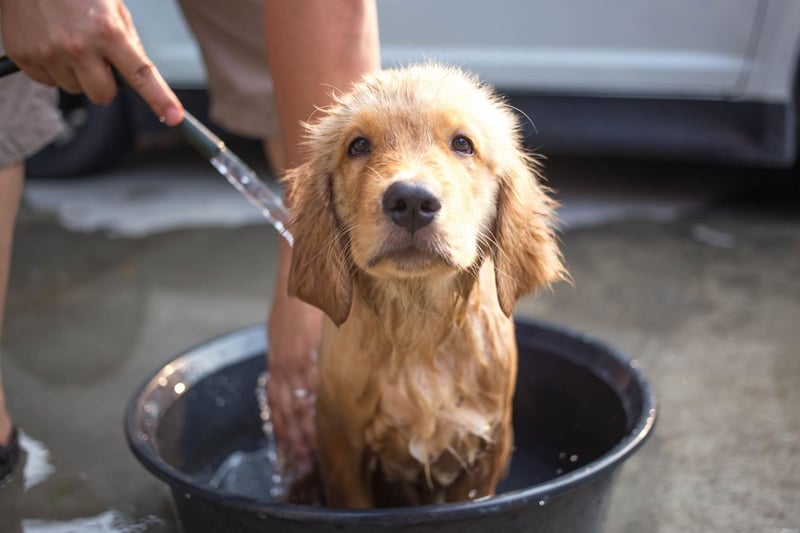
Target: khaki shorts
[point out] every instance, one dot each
(231, 39)
(28, 117)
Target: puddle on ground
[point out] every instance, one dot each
(36, 468)
(112, 521)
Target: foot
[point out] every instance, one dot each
(9, 443)
(9, 455)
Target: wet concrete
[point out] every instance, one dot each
(696, 275)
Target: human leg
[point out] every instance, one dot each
(29, 120)
(10, 192)
(314, 48)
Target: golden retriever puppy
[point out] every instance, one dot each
(418, 223)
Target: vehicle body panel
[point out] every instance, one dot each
(559, 58)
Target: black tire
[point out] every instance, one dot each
(95, 138)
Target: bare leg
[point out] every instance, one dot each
(10, 191)
(313, 47)
(273, 148)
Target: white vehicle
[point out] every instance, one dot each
(710, 80)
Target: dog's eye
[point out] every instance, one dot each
(359, 146)
(462, 145)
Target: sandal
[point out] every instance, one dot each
(9, 456)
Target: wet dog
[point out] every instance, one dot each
(418, 221)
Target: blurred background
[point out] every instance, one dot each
(712, 82)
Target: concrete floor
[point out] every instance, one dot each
(694, 271)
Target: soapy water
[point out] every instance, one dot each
(260, 473)
(557, 430)
(252, 474)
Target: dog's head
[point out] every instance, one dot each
(417, 172)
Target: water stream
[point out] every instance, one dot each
(258, 473)
(247, 182)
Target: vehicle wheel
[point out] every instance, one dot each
(95, 137)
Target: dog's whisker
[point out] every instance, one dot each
(524, 114)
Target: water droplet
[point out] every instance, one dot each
(544, 501)
(163, 381)
(220, 401)
(573, 458)
(187, 495)
(559, 471)
(179, 388)
(562, 455)
(472, 494)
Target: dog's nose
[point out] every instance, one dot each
(410, 206)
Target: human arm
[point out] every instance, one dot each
(314, 47)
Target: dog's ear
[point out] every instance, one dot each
(526, 253)
(319, 274)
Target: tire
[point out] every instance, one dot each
(95, 138)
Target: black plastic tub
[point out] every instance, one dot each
(581, 409)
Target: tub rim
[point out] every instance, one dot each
(239, 344)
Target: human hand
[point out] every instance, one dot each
(74, 44)
(294, 330)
